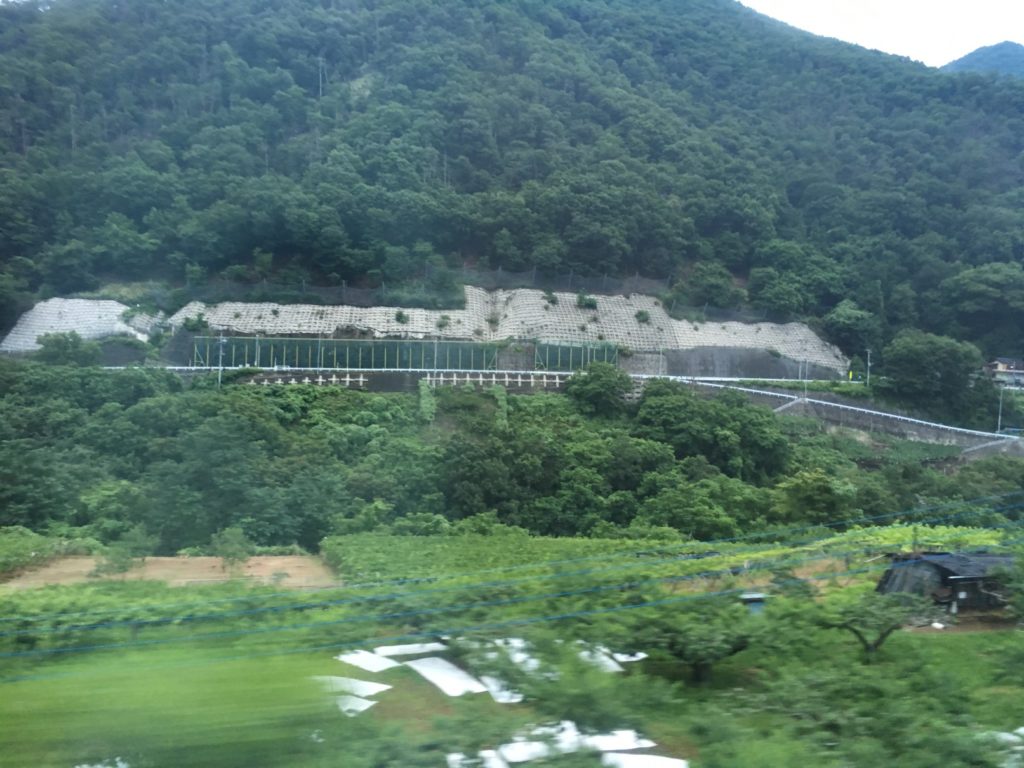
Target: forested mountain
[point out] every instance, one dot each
(1006, 58)
(358, 140)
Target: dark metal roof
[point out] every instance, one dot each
(966, 564)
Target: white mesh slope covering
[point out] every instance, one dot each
(637, 322)
(89, 318)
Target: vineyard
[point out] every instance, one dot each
(149, 674)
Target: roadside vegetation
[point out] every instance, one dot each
(137, 460)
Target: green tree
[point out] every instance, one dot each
(852, 328)
(741, 439)
(127, 552)
(814, 496)
(232, 546)
(711, 283)
(872, 618)
(935, 373)
(696, 636)
(67, 349)
(600, 388)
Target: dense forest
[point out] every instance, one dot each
(363, 140)
(105, 458)
(1005, 58)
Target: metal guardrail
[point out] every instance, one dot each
(711, 382)
(843, 407)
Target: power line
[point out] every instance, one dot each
(543, 564)
(419, 612)
(459, 631)
(135, 623)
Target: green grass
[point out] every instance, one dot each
(165, 707)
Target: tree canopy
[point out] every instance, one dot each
(367, 141)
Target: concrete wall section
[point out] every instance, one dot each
(741, 362)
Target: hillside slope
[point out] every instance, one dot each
(1006, 58)
(358, 140)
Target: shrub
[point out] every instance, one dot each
(196, 324)
(20, 547)
(67, 349)
(401, 317)
(643, 316)
(583, 301)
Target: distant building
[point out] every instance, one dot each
(961, 581)
(1008, 371)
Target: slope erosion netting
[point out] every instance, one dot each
(637, 322)
(89, 318)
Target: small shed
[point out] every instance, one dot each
(1008, 371)
(960, 580)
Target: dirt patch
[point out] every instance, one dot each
(298, 572)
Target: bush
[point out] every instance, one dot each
(20, 548)
(643, 316)
(196, 324)
(67, 349)
(583, 301)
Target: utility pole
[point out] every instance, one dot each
(220, 361)
(999, 419)
(869, 367)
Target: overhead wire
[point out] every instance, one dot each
(138, 623)
(549, 563)
(783, 562)
(433, 634)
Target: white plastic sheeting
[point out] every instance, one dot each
(616, 760)
(350, 685)
(616, 740)
(499, 691)
(448, 678)
(628, 658)
(410, 649)
(602, 661)
(371, 662)
(487, 758)
(524, 751)
(566, 738)
(515, 649)
(353, 705)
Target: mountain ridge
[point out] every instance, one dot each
(1005, 58)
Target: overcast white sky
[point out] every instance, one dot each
(935, 32)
